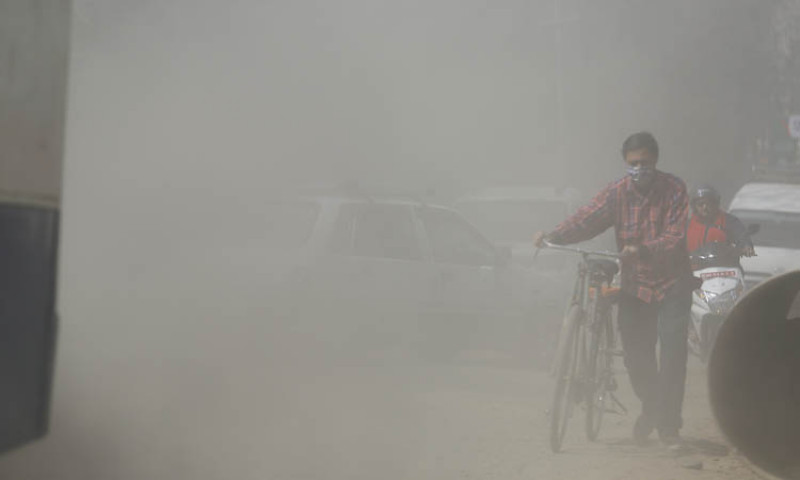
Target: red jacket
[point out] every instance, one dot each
(698, 233)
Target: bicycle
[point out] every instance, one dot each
(587, 344)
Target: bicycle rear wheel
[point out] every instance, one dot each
(566, 362)
(598, 374)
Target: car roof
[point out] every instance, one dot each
(522, 193)
(776, 197)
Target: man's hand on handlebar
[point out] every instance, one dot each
(629, 251)
(743, 250)
(539, 238)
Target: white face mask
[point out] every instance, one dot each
(642, 176)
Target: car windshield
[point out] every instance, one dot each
(777, 229)
(507, 221)
(288, 224)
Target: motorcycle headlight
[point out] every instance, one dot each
(720, 303)
(707, 296)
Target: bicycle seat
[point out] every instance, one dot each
(607, 267)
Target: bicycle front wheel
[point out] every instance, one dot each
(566, 362)
(598, 374)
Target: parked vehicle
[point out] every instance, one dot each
(716, 264)
(350, 270)
(775, 208)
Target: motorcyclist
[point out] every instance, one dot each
(708, 223)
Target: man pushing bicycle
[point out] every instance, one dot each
(648, 210)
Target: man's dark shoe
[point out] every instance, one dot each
(642, 429)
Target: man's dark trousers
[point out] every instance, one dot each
(659, 385)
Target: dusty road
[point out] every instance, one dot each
(159, 410)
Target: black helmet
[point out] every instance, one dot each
(706, 192)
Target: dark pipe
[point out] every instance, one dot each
(754, 376)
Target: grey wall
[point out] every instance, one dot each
(450, 94)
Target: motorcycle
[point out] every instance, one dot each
(716, 265)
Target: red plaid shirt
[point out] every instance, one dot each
(655, 221)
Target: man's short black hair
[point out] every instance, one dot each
(638, 141)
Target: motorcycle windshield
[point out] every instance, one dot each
(714, 255)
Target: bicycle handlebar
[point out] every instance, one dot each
(580, 251)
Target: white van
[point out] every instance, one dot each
(775, 208)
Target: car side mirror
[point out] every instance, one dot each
(504, 256)
(753, 228)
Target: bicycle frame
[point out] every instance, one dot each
(586, 325)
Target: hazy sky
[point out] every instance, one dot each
(444, 94)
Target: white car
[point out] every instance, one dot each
(350, 270)
(775, 208)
